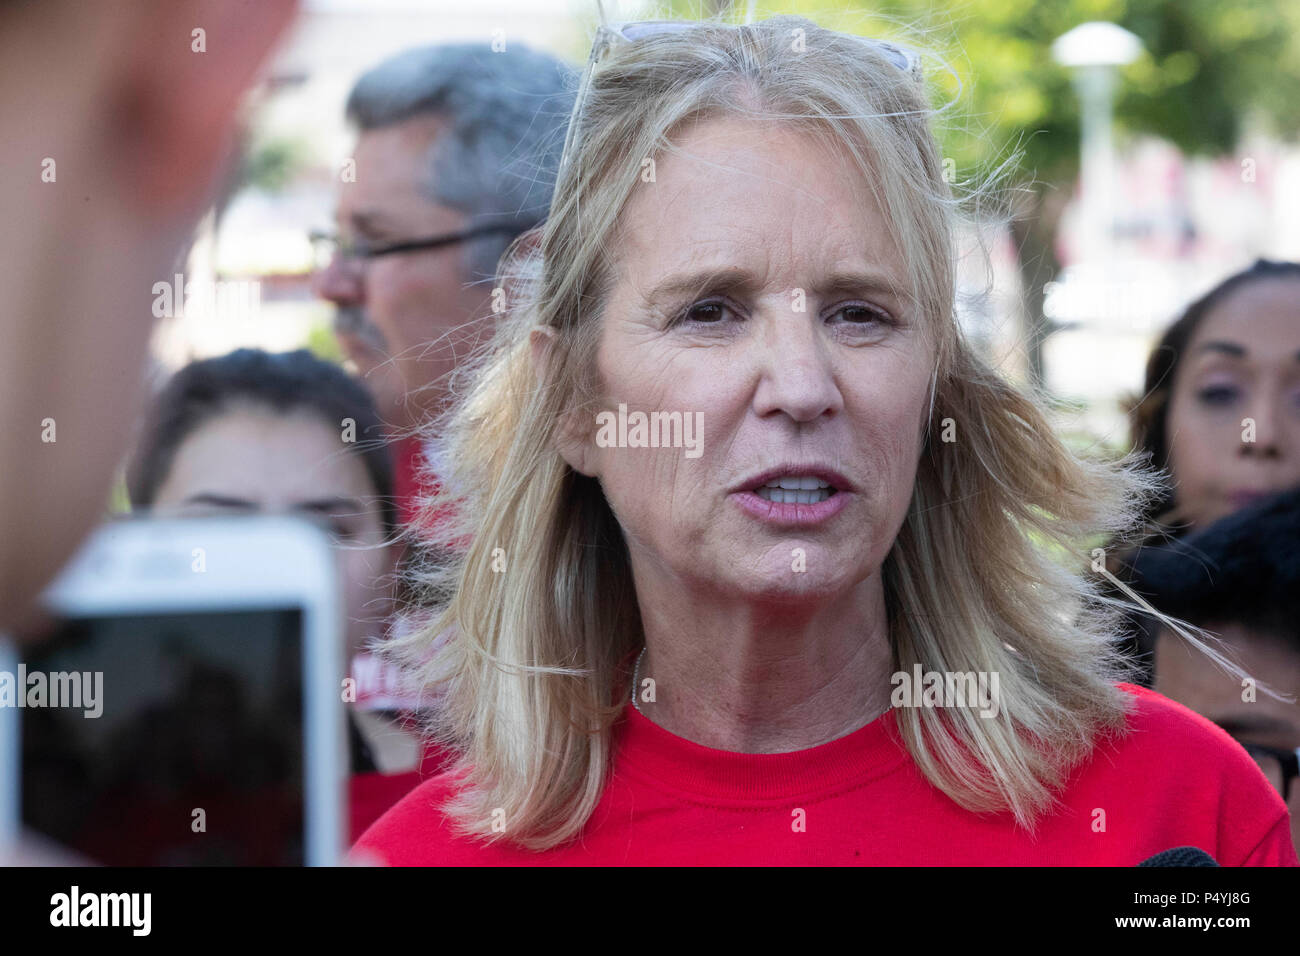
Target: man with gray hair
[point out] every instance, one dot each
(456, 156)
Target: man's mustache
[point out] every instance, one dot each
(350, 320)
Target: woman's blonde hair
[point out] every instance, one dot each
(530, 652)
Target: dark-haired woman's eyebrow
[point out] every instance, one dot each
(219, 501)
(1226, 348)
(337, 506)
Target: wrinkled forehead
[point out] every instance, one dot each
(772, 199)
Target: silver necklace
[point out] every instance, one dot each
(636, 681)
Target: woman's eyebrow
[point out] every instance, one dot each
(1232, 349)
(1227, 348)
(219, 501)
(877, 283)
(696, 281)
(340, 506)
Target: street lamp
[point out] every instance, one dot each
(1093, 51)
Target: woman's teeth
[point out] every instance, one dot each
(795, 490)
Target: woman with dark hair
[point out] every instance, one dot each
(253, 432)
(1220, 409)
(1221, 404)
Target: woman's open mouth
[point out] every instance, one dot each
(795, 490)
(793, 497)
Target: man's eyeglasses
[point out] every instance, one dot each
(1279, 766)
(327, 245)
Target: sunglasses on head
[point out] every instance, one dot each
(609, 35)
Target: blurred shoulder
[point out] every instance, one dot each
(414, 831)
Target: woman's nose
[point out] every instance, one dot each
(1260, 429)
(796, 377)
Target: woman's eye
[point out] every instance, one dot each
(708, 313)
(861, 315)
(1218, 395)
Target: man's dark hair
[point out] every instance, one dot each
(282, 382)
(1243, 569)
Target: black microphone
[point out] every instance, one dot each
(1181, 856)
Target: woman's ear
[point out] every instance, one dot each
(573, 442)
(542, 341)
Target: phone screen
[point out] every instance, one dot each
(167, 739)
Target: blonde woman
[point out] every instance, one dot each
(761, 552)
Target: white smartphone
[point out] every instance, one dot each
(184, 705)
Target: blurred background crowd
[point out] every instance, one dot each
(1188, 110)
